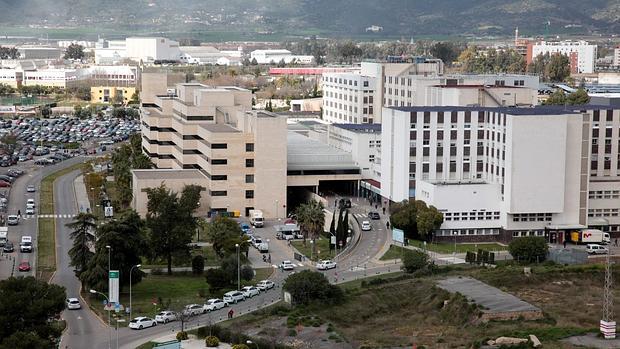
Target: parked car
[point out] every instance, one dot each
(8, 247)
(596, 249)
(373, 215)
(366, 226)
(264, 285)
(250, 291)
(233, 297)
(325, 264)
(73, 303)
(30, 188)
(142, 322)
(12, 219)
(193, 309)
(165, 316)
(287, 265)
(24, 266)
(4, 184)
(245, 227)
(30, 209)
(214, 304)
(30, 202)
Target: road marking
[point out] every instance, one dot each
(300, 264)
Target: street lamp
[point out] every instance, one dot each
(238, 269)
(311, 249)
(249, 342)
(109, 327)
(130, 273)
(277, 209)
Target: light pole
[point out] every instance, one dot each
(130, 273)
(249, 342)
(454, 253)
(117, 321)
(238, 269)
(277, 210)
(109, 310)
(311, 249)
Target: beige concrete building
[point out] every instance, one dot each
(197, 134)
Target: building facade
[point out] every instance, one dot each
(111, 94)
(494, 173)
(277, 55)
(349, 98)
(581, 54)
(213, 132)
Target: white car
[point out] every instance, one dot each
(165, 316)
(30, 209)
(30, 202)
(250, 291)
(73, 303)
(287, 265)
(264, 285)
(12, 220)
(214, 304)
(366, 226)
(30, 188)
(193, 309)
(325, 264)
(142, 322)
(596, 249)
(233, 297)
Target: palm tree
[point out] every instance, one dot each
(83, 228)
(311, 218)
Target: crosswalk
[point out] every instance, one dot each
(359, 215)
(56, 216)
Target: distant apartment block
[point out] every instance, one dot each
(139, 49)
(349, 98)
(275, 56)
(581, 54)
(616, 61)
(209, 136)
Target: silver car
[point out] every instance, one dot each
(165, 316)
(250, 291)
(233, 297)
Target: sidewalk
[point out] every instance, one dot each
(81, 194)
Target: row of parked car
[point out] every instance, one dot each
(9, 177)
(213, 304)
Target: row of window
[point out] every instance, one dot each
(249, 194)
(344, 81)
(531, 217)
(480, 231)
(604, 194)
(603, 212)
(471, 216)
(523, 233)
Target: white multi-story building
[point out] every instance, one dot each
(582, 55)
(29, 75)
(349, 98)
(617, 56)
(144, 49)
(494, 173)
(278, 55)
(358, 97)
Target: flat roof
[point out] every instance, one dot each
(360, 128)
(304, 153)
(164, 174)
(537, 110)
(219, 128)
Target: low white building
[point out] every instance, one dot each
(139, 49)
(30, 75)
(209, 55)
(276, 56)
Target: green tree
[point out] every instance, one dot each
(217, 279)
(403, 216)
(83, 236)
(310, 286)
(558, 68)
(528, 249)
(428, 218)
(414, 261)
(6, 89)
(46, 111)
(26, 306)
(198, 265)
(74, 51)
(578, 97)
(417, 220)
(127, 239)
(170, 221)
(558, 97)
(224, 233)
(9, 53)
(446, 51)
(311, 218)
(8, 142)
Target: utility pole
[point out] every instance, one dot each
(608, 325)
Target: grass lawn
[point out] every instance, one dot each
(211, 259)
(322, 249)
(175, 291)
(46, 238)
(448, 248)
(395, 252)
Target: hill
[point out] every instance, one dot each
(323, 17)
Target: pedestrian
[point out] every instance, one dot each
(564, 243)
(288, 242)
(269, 258)
(383, 209)
(387, 224)
(231, 313)
(19, 213)
(615, 241)
(376, 206)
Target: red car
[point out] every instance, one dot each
(24, 266)
(4, 184)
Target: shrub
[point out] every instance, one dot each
(247, 273)
(414, 261)
(529, 249)
(212, 341)
(308, 286)
(198, 265)
(216, 278)
(240, 346)
(181, 336)
(202, 293)
(292, 332)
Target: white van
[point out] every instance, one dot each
(26, 244)
(4, 235)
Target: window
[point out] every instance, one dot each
(219, 177)
(219, 146)
(249, 194)
(219, 193)
(219, 162)
(249, 178)
(371, 158)
(249, 162)
(249, 147)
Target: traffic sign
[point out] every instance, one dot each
(113, 283)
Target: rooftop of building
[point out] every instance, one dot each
(168, 173)
(219, 128)
(537, 110)
(304, 153)
(360, 128)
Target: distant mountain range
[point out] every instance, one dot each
(380, 18)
